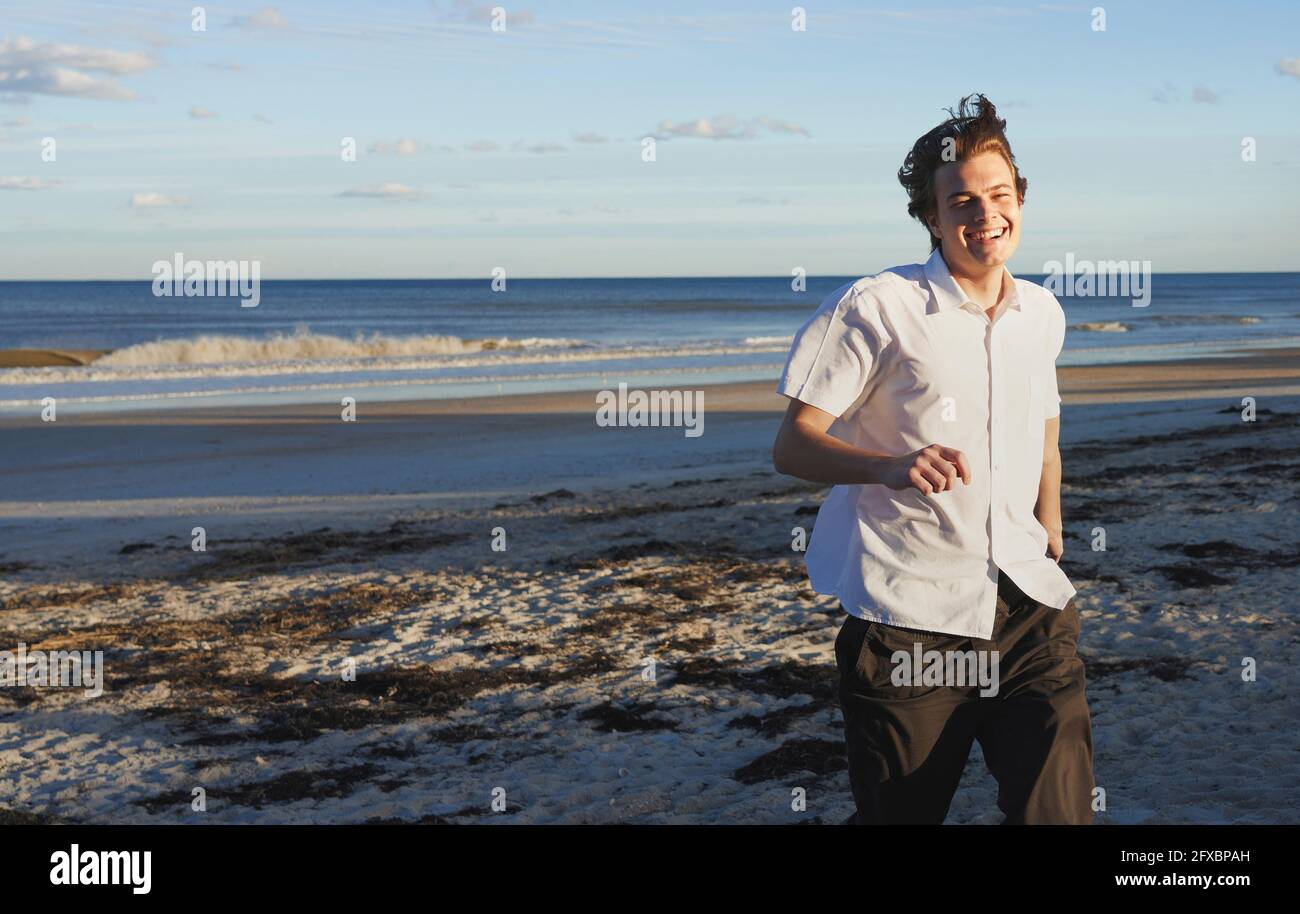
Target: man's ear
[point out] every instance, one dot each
(933, 223)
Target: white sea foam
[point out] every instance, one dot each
(304, 345)
(1192, 319)
(1168, 320)
(1102, 326)
(171, 360)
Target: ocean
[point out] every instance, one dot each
(315, 341)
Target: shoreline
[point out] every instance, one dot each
(1256, 372)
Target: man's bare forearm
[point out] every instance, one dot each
(1048, 508)
(819, 457)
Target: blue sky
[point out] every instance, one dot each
(522, 149)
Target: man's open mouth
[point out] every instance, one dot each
(987, 234)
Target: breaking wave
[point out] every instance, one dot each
(1102, 326)
(305, 346)
(1166, 320)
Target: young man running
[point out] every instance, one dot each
(927, 395)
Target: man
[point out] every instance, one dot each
(927, 395)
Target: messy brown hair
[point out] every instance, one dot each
(973, 127)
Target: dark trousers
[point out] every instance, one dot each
(908, 743)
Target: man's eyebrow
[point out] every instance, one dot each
(967, 193)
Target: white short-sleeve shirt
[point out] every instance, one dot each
(905, 360)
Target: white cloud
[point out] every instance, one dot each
(25, 183)
(402, 147)
(388, 191)
(262, 119)
(482, 146)
(268, 17)
(589, 137)
(469, 11)
(599, 209)
(727, 127)
(1204, 96)
(539, 148)
(1289, 66)
(1168, 93)
(45, 68)
(199, 113)
(154, 200)
(773, 125)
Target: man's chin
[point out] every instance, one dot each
(993, 259)
(970, 261)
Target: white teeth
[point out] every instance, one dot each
(988, 235)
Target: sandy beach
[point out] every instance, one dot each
(645, 648)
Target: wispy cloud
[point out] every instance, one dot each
(45, 68)
(539, 148)
(199, 113)
(1289, 66)
(268, 17)
(590, 138)
(388, 191)
(1169, 94)
(469, 11)
(596, 209)
(155, 200)
(775, 125)
(1165, 94)
(402, 147)
(728, 127)
(25, 183)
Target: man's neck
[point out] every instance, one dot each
(986, 289)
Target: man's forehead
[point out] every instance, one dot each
(981, 173)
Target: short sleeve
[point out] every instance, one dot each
(837, 353)
(1055, 342)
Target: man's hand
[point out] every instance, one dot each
(1048, 508)
(931, 470)
(1055, 542)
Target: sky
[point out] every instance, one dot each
(521, 148)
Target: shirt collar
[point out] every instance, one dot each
(947, 294)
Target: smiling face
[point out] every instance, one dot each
(977, 219)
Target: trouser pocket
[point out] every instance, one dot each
(879, 659)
